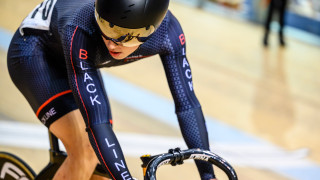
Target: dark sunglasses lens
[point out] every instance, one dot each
(142, 39)
(121, 38)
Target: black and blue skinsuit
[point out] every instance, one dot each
(57, 70)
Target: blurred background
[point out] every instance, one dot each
(261, 103)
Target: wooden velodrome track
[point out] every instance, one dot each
(272, 94)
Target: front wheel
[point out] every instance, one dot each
(14, 168)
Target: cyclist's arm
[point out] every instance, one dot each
(188, 108)
(89, 94)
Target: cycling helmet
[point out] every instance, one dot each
(129, 22)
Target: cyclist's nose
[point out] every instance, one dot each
(111, 45)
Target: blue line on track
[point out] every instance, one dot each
(5, 38)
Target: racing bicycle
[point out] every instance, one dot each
(14, 168)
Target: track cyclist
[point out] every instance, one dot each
(54, 60)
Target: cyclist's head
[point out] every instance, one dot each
(129, 22)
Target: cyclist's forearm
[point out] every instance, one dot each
(108, 150)
(194, 131)
(193, 128)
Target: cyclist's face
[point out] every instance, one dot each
(119, 51)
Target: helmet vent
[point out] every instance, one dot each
(131, 5)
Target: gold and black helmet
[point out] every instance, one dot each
(129, 22)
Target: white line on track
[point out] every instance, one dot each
(29, 135)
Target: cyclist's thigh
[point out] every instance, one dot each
(41, 77)
(70, 129)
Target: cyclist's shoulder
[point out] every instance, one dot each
(166, 38)
(173, 23)
(170, 24)
(76, 14)
(73, 7)
(176, 33)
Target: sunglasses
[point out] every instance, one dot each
(127, 40)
